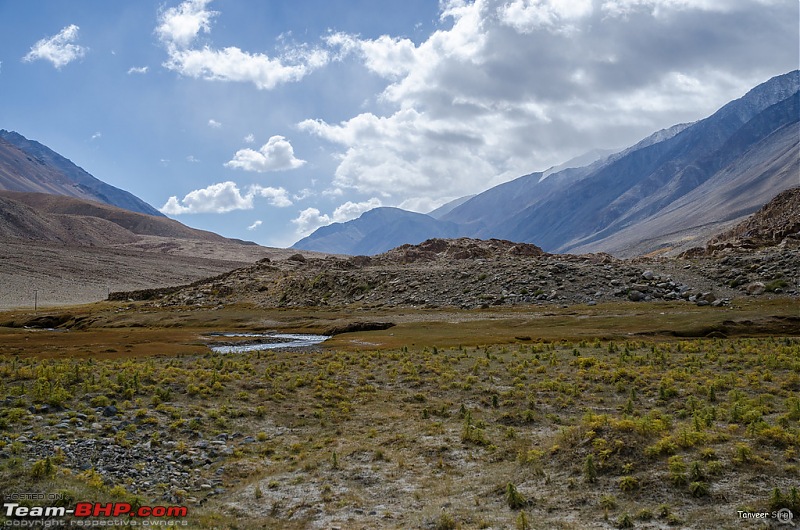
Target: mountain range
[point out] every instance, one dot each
(669, 192)
(71, 238)
(27, 165)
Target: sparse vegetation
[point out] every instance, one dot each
(401, 430)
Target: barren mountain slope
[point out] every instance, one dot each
(73, 251)
(734, 192)
(56, 207)
(27, 165)
(777, 222)
(69, 274)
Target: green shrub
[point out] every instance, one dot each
(589, 469)
(779, 501)
(625, 521)
(514, 498)
(608, 502)
(677, 470)
(42, 468)
(628, 483)
(699, 489)
(696, 473)
(522, 522)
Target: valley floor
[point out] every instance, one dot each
(68, 275)
(611, 416)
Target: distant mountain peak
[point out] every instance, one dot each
(377, 231)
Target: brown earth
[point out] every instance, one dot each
(778, 222)
(469, 274)
(61, 250)
(67, 274)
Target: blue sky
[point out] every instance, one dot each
(264, 120)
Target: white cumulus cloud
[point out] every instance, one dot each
(224, 197)
(179, 27)
(214, 124)
(255, 225)
(506, 87)
(310, 219)
(276, 155)
(138, 69)
(58, 49)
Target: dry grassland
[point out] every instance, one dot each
(613, 416)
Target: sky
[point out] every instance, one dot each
(264, 120)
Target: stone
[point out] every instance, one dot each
(635, 296)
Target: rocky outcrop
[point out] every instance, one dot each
(776, 224)
(471, 273)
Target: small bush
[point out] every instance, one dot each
(589, 469)
(699, 489)
(677, 470)
(445, 522)
(779, 501)
(608, 502)
(514, 498)
(522, 522)
(628, 483)
(42, 468)
(625, 521)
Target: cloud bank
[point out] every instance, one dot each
(178, 29)
(509, 87)
(499, 88)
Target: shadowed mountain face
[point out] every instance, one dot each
(669, 192)
(377, 231)
(26, 165)
(707, 192)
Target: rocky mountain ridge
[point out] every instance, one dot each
(667, 193)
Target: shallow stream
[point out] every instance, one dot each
(266, 341)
